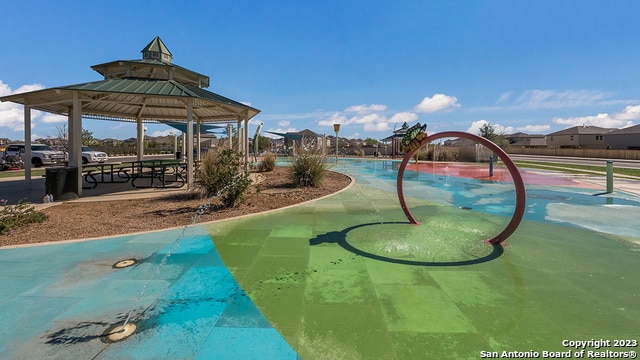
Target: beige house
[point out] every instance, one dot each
(584, 137)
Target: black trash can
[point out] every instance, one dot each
(62, 182)
(178, 155)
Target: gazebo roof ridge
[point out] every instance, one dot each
(150, 69)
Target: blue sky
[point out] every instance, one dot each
(532, 66)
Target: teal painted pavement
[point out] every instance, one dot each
(58, 301)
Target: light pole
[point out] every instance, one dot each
(336, 128)
(175, 144)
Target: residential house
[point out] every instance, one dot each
(523, 140)
(624, 139)
(584, 137)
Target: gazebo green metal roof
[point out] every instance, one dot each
(130, 99)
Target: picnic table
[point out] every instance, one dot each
(105, 173)
(161, 173)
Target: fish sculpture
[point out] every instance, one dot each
(412, 140)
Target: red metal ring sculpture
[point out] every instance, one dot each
(513, 170)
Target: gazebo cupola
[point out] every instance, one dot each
(156, 64)
(157, 50)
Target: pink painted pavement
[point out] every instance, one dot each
(481, 172)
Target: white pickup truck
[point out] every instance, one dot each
(89, 155)
(41, 154)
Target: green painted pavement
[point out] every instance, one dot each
(346, 277)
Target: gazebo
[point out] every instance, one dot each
(150, 90)
(395, 140)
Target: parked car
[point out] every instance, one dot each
(90, 155)
(41, 154)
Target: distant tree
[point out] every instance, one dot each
(370, 142)
(264, 144)
(87, 138)
(488, 132)
(61, 134)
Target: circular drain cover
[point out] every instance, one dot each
(124, 263)
(121, 332)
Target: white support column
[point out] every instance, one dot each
(190, 167)
(27, 147)
(240, 138)
(140, 138)
(246, 141)
(75, 140)
(198, 140)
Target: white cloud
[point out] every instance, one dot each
(504, 97)
(476, 125)
(35, 137)
(366, 109)
(255, 121)
(4, 89)
(369, 117)
(12, 114)
(403, 117)
(629, 113)
(335, 118)
(437, 103)
(499, 129)
(378, 127)
(625, 118)
(503, 129)
(166, 132)
(28, 88)
(366, 119)
(541, 99)
(118, 126)
(283, 123)
(533, 129)
(52, 118)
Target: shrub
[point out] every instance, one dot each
(308, 166)
(13, 216)
(221, 174)
(268, 162)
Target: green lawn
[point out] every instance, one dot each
(580, 169)
(34, 173)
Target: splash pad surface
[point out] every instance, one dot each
(343, 277)
(72, 302)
